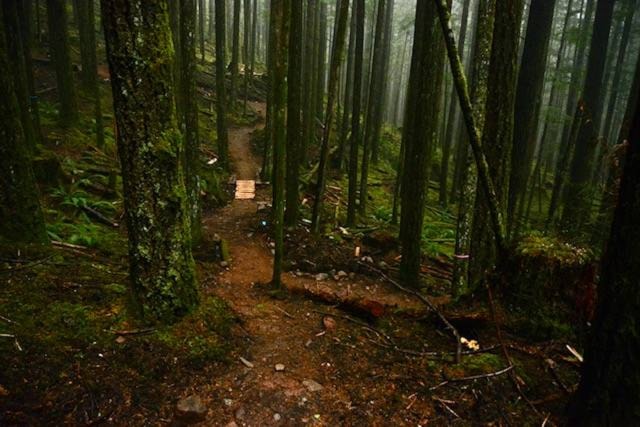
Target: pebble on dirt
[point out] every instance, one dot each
(279, 367)
(312, 385)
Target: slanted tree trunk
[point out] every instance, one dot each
(334, 71)
(221, 92)
(59, 45)
(294, 115)
(480, 56)
(421, 122)
(610, 384)
(577, 204)
(139, 49)
(497, 134)
(452, 121)
(190, 114)
(528, 100)
(279, 22)
(21, 219)
(87, 26)
(354, 141)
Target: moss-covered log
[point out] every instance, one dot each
(150, 147)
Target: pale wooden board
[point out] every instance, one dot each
(245, 189)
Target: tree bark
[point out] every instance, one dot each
(221, 92)
(334, 72)
(294, 115)
(421, 122)
(577, 206)
(354, 142)
(190, 114)
(610, 384)
(139, 49)
(21, 217)
(279, 21)
(59, 45)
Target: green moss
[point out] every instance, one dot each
(553, 250)
(479, 364)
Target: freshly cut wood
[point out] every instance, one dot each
(245, 189)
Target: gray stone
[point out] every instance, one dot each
(191, 410)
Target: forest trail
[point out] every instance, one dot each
(321, 376)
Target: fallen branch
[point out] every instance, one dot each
(100, 217)
(474, 377)
(427, 302)
(142, 331)
(25, 266)
(289, 315)
(358, 322)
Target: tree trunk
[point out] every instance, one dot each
(610, 384)
(308, 119)
(497, 134)
(235, 52)
(201, 7)
(355, 114)
(190, 114)
(577, 205)
(480, 57)
(321, 58)
(452, 121)
(348, 94)
(87, 30)
(334, 70)
(245, 50)
(21, 218)
(279, 22)
(294, 116)
(221, 93)
(421, 122)
(527, 105)
(374, 105)
(139, 48)
(59, 45)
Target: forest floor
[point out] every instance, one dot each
(342, 347)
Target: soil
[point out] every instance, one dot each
(303, 357)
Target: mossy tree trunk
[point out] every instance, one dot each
(480, 55)
(294, 115)
(308, 117)
(279, 21)
(421, 123)
(150, 147)
(87, 30)
(235, 52)
(21, 217)
(334, 72)
(348, 95)
(354, 141)
(610, 384)
(497, 134)
(201, 10)
(59, 46)
(221, 92)
(190, 114)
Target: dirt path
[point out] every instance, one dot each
(322, 383)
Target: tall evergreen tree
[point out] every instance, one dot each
(497, 134)
(87, 30)
(59, 45)
(140, 54)
(190, 114)
(421, 122)
(21, 217)
(235, 51)
(577, 195)
(221, 93)
(294, 115)
(279, 22)
(610, 384)
(354, 142)
(528, 101)
(308, 118)
(342, 15)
